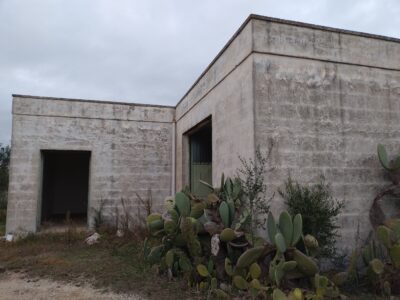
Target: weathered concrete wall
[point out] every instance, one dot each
(225, 93)
(327, 99)
(131, 151)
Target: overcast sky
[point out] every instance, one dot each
(142, 51)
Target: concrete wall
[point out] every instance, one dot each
(131, 149)
(225, 93)
(327, 98)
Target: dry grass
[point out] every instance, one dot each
(114, 264)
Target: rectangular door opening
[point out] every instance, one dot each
(65, 186)
(200, 148)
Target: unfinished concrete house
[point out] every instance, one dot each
(324, 97)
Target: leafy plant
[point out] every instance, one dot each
(226, 199)
(247, 276)
(212, 242)
(254, 189)
(5, 155)
(324, 289)
(5, 152)
(194, 228)
(3, 200)
(381, 259)
(383, 276)
(392, 168)
(288, 260)
(318, 209)
(179, 227)
(249, 273)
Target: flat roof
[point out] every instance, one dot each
(92, 101)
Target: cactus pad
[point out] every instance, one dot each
(228, 267)
(202, 270)
(255, 270)
(289, 265)
(249, 256)
(278, 295)
(227, 235)
(224, 214)
(383, 157)
(197, 210)
(280, 242)
(169, 258)
(240, 282)
(286, 227)
(297, 229)
(383, 234)
(376, 266)
(305, 264)
(272, 228)
(395, 255)
(182, 203)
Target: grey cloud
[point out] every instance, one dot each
(142, 51)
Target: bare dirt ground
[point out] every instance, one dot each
(68, 268)
(17, 286)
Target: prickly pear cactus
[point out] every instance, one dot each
(227, 235)
(182, 204)
(393, 167)
(305, 263)
(249, 256)
(286, 227)
(240, 258)
(178, 226)
(224, 213)
(390, 238)
(290, 229)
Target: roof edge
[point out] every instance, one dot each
(91, 101)
(324, 28)
(288, 22)
(234, 36)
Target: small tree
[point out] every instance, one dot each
(318, 209)
(5, 152)
(251, 175)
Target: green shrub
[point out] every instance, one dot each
(3, 200)
(5, 152)
(251, 175)
(319, 210)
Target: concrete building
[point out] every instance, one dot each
(324, 97)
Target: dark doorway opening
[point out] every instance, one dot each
(65, 185)
(200, 144)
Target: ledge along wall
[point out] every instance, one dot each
(131, 151)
